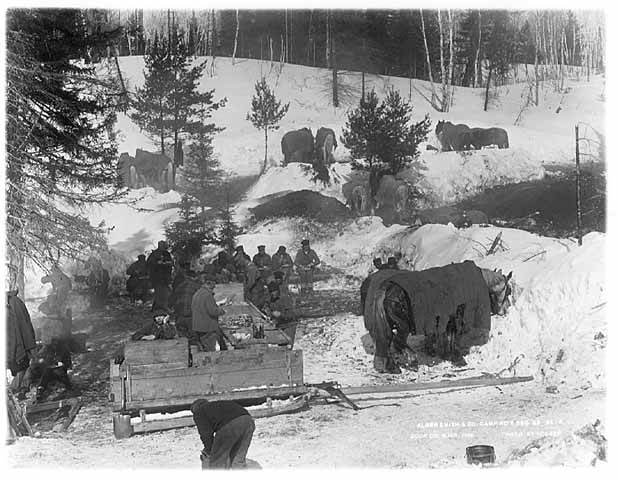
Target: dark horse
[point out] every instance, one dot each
(297, 146)
(453, 137)
(485, 137)
(451, 306)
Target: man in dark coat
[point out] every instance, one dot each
(20, 338)
(225, 270)
(306, 260)
(137, 284)
(160, 271)
(205, 316)
(98, 281)
(392, 263)
(255, 286)
(263, 262)
(241, 260)
(282, 262)
(181, 299)
(226, 430)
(61, 286)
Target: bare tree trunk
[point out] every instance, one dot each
(265, 149)
(363, 85)
(487, 87)
(578, 205)
(285, 16)
(310, 40)
(451, 58)
(334, 63)
(236, 36)
(443, 79)
(536, 59)
(477, 60)
(327, 38)
(433, 89)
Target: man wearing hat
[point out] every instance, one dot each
(255, 286)
(306, 261)
(241, 260)
(280, 308)
(182, 296)
(160, 271)
(282, 262)
(205, 316)
(137, 284)
(391, 263)
(377, 262)
(263, 262)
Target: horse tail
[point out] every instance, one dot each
(380, 329)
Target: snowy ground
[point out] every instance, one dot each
(556, 330)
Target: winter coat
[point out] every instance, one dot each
(306, 259)
(205, 311)
(20, 334)
(138, 269)
(160, 267)
(282, 261)
(262, 261)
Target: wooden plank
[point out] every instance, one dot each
(41, 407)
(72, 414)
(187, 421)
(157, 351)
(248, 394)
(482, 381)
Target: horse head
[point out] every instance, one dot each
(499, 290)
(439, 127)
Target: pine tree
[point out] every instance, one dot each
(189, 234)
(169, 106)
(228, 230)
(381, 138)
(266, 112)
(59, 136)
(202, 175)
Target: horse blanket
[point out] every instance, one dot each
(432, 293)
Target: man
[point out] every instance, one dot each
(182, 296)
(255, 286)
(137, 284)
(205, 316)
(263, 262)
(20, 340)
(241, 260)
(224, 267)
(306, 261)
(98, 281)
(61, 286)
(282, 262)
(160, 272)
(226, 430)
(161, 328)
(280, 308)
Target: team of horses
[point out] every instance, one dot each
(299, 146)
(461, 137)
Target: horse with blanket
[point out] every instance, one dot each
(450, 305)
(461, 137)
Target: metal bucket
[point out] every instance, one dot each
(122, 425)
(480, 454)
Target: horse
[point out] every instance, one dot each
(451, 306)
(453, 137)
(325, 143)
(485, 137)
(393, 192)
(357, 196)
(297, 146)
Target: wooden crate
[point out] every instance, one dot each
(234, 374)
(173, 353)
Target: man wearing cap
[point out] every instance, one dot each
(160, 271)
(377, 262)
(280, 308)
(282, 262)
(137, 284)
(255, 286)
(241, 260)
(306, 260)
(263, 262)
(391, 263)
(205, 316)
(226, 430)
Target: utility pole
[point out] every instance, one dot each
(578, 188)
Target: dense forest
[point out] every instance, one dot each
(458, 47)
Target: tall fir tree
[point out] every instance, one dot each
(188, 234)
(61, 151)
(227, 230)
(170, 106)
(266, 112)
(382, 139)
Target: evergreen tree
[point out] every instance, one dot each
(202, 175)
(189, 234)
(228, 230)
(381, 137)
(169, 105)
(61, 151)
(266, 112)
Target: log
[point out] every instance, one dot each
(483, 381)
(72, 414)
(180, 422)
(41, 407)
